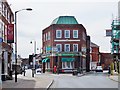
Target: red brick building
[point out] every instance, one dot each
(106, 60)
(98, 58)
(64, 45)
(6, 17)
(94, 56)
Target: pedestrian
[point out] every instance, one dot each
(109, 70)
(55, 69)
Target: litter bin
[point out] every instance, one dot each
(11, 73)
(3, 77)
(75, 72)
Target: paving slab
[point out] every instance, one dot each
(39, 81)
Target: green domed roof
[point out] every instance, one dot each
(65, 20)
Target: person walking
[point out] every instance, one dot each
(55, 69)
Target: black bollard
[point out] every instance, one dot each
(32, 72)
(24, 70)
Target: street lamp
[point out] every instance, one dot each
(28, 9)
(33, 69)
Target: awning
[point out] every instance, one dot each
(66, 54)
(46, 60)
(68, 59)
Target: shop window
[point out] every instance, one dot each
(75, 47)
(75, 33)
(67, 47)
(63, 65)
(47, 66)
(67, 33)
(48, 35)
(59, 47)
(67, 65)
(58, 33)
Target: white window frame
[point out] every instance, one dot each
(65, 47)
(47, 65)
(46, 49)
(6, 13)
(3, 6)
(74, 35)
(5, 10)
(68, 34)
(74, 47)
(66, 67)
(60, 47)
(48, 35)
(44, 37)
(63, 63)
(57, 33)
(1, 25)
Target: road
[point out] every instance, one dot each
(93, 80)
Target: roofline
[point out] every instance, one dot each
(62, 24)
(95, 45)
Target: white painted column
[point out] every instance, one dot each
(34, 61)
(6, 62)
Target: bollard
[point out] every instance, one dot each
(24, 70)
(32, 72)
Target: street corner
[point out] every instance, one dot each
(50, 84)
(21, 83)
(114, 78)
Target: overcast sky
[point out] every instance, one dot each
(95, 15)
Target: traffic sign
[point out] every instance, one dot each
(1, 40)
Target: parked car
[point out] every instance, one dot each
(38, 71)
(99, 69)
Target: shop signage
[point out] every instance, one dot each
(1, 40)
(10, 33)
(66, 54)
(108, 32)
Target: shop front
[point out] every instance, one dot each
(64, 63)
(6, 62)
(67, 62)
(45, 64)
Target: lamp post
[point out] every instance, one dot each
(28, 9)
(33, 69)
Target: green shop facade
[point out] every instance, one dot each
(65, 62)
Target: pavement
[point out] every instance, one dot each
(40, 81)
(115, 78)
(26, 82)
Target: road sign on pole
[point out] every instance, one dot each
(1, 40)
